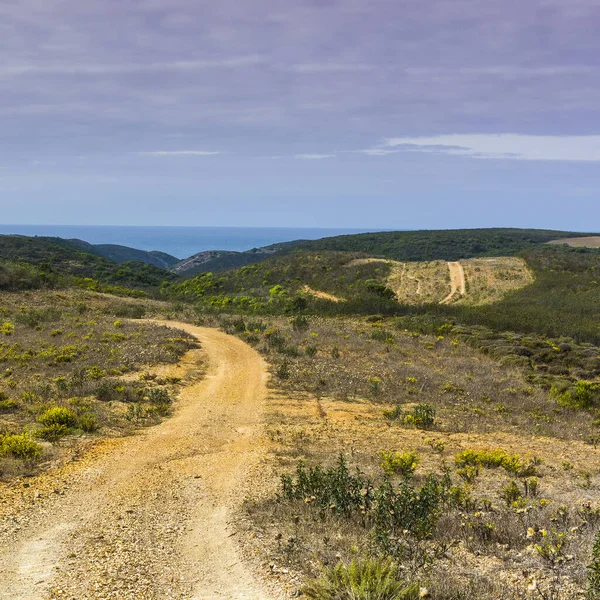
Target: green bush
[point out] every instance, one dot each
(159, 396)
(396, 463)
(20, 446)
(390, 510)
(88, 423)
(422, 417)
(491, 459)
(128, 311)
(52, 432)
(593, 591)
(58, 415)
(8, 405)
(511, 493)
(334, 488)
(375, 579)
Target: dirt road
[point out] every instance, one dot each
(458, 284)
(149, 518)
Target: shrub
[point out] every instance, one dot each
(511, 493)
(88, 423)
(8, 405)
(375, 579)
(299, 323)
(468, 473)
(491, 459)
(593, 592)
(20, 446)
(34, 317)
(7, 328)
(391, 511)
(58, 415)
(395, 463)
(159, 396)
(52, 432)
(283, 370)
(422, 417)
(94, 373)
(334, 488)
(129, 311)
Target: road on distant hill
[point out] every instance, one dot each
(458, 283)
(149, 517)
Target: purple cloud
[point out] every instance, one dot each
(311, 78)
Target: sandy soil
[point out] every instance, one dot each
(580, 242)
(323, 295)
(148, 517)
(458, 285)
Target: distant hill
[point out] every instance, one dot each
(121, 254)
(445, 244)
(57, 258)
(424, 245)
(220, 260)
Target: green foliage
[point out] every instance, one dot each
(396, 463)
(15, 276)
(334, 488)
(7, 328)
(552, 546)
(20, 446)
(52, 432)
(88, 423)
(388, 509)
(159, 396)
(374, 579)
(58, 415)
(448, 245)
(491, 459)
(34, 317)
(43, 262)
(563, 300)
(128, 311)
(283, 369)
(511, 493)
(583, 395)
(593, 591)
(276, 286)
(422, 417)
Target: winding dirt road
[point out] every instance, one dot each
(149, 518)
(458, 283)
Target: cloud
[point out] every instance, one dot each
(314, 156)
(328, 68)
(506, 71)
(376, 151)
(116, 69)
(180, 153)
(505, 146)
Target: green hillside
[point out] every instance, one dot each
(424, 245)
(41, 261)
(451, 244)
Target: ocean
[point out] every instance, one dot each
(178, 241)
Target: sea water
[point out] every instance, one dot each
(178, 241)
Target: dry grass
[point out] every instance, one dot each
(487, 279)
(80, 353)
(490, 279)
(320, 294)
(332, 402)
(580, 242)
(420, 282)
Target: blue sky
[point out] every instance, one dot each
(387, 113)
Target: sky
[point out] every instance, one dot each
(398, 114)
